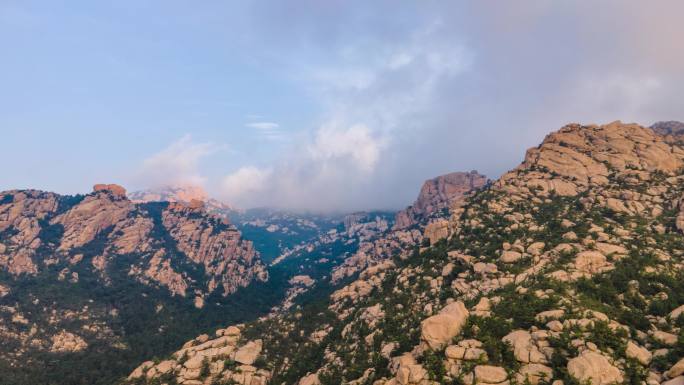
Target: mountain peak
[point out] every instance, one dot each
(437, 194)
(114, 189)
(180, 193)
(577, 156)
(669, 127)
(191, 195)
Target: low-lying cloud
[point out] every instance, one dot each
(177, 164)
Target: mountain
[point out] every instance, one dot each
(273, 232)
(437, 194)
(424, 221)
(668, 128)
(362, 239)
(182, 194)
(60, 229)
(568, 269)
(98, 277)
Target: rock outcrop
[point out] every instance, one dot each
(440, 329)
(438, 194)
(225, 358)
(594, 368)
(576, 157)
(67, 342)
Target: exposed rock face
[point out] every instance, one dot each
(679, 220)
(639, 353)
(113, 189)
(575, 157)
(230, 261)
(676, 369)
(490, 374)
(67, 342)
(440, 329)
(524, 347)
(436, 230)
(534, 373)
(102, 243)
(21, 215)
(438, 194)
(595, 368)
(311, 379)
(101, 211)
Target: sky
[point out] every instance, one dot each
(317, 105)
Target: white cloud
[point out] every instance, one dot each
(238, 186)
(405, 96)
(268, 130)
(263, 125)
(177, 164)
(317, 175)
(373, 94)
(354, 143)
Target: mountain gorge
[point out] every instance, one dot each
(566, 270)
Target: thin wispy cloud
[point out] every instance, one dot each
(268, 130)
(264, 125)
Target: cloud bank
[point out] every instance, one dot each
(396, 93)
(415, 91)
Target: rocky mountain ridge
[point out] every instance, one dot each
(98, 277)
(125, 227)
(566, 270)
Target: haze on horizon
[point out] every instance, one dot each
(319, 105)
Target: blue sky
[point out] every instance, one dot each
(316, 104)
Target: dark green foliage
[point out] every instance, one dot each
(204, 370)
(490, 331)
(606, 339)
(6, 199)
(559, 360)
(433, 363)
(522, 308)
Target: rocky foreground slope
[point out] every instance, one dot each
(566, 270)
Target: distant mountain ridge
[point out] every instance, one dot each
(184, 194)
(670, 127)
